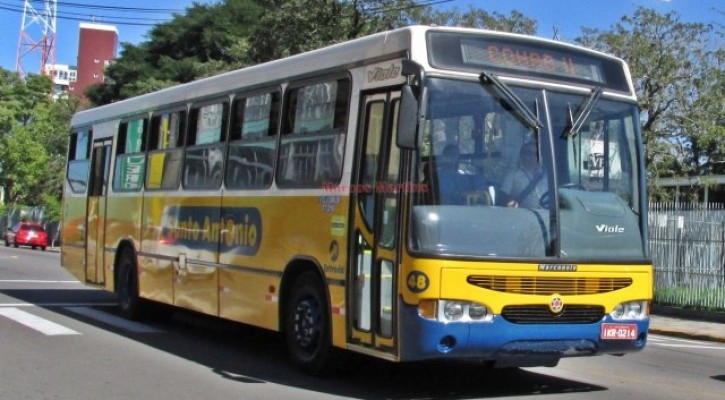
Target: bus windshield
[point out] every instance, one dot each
(498, 186)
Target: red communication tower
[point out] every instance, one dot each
(37, 35)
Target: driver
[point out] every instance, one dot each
(527, 183)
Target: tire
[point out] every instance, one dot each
(129, 302)
(43, 248)
(15, 244)
(307, 325)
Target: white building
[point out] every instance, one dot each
(63, 77)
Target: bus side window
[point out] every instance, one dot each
(253, 141)
(204, 161)
(312, 144)
(129, 170)
(165, 154)
(79, 161)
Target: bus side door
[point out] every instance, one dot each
(375, 240)
(96, 215)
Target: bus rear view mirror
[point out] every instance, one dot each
(408, 120)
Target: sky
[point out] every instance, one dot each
(134, 19)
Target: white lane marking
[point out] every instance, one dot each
(667, 341)
(93, 304)
(113, 320)
(33, 281)
(39, 324)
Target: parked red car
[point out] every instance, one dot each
(27, 234)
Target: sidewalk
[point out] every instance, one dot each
(688, 324)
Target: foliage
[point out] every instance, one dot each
(516, 22)
(23, 161)
(291, 27)
(33, 141)
(679, 82)
(18, 98)
(208, 39)
(678, 72)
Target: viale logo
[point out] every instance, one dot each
(604, 228)
(382, 74)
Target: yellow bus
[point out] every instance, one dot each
(422, 193)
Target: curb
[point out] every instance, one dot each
(689, 314)
(686, 335)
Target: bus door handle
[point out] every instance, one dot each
(182, 262)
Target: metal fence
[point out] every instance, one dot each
(687, 243)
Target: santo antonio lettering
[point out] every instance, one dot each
(232, 229)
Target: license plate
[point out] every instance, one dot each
(619, 331)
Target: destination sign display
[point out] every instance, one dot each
(522, 56)
(532, 59)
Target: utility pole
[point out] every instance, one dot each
(37, 35)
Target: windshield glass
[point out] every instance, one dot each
(496, 186)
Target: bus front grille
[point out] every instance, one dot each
(546, 286)
(540, 314)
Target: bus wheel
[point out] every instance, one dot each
(129, 303)
(307, 325)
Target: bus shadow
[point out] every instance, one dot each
(250, 355)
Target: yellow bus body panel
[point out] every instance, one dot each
(73, 236)
(448, 279)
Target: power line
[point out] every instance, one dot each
(120, 20)
(150, 21)
(121, 9)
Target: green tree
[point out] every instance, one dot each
(291, 27)
(515, 22)
(19, 97)
(678, 80)
(232, 34)
(207, 40)
(50, 129)
(33, 141)
(24, 160)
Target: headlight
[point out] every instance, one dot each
(462, 311)
(477, 311)
(630, 310)
(453, 311)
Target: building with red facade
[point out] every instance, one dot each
(97, 47)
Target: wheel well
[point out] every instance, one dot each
(123, 247)
(294, 269)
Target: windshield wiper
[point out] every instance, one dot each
(512, 99)
(584, 111)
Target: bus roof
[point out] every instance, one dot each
(400, 42)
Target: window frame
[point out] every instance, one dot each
(290, 137)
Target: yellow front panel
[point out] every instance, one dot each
(499, 284)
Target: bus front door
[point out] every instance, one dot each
(96, 214)
(374, 259)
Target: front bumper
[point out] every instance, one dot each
(509, 344)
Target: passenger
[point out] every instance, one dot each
(528, 183)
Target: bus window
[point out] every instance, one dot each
(598, 156)
(165, 154)
(130, 166)
(253, 141)
(204, 160)
(314, 131)
(78, 161)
